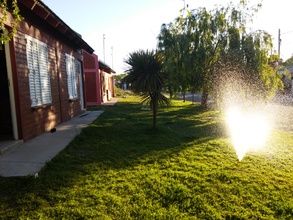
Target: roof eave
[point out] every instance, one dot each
(105, 67)
(45, 13)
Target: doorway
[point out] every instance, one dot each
(6, 129)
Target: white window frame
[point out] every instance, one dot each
(39, 76)
(71, 77)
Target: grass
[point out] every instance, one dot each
(118, 168)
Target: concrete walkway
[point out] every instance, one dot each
(23, 159)
(29, 158)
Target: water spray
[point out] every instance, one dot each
(249, 129)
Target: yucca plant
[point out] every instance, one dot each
(145, 73)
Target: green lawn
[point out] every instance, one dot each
(118, 168)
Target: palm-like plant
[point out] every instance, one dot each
(147, 79)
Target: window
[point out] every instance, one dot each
(39, 77)
(71, 76)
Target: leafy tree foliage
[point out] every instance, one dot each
(199, 47)
(288, 62)
(145, 73)
(119, 79)
(6, 34)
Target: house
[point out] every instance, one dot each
(99, 81)
(107, 81)
(41, 77)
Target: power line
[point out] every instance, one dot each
(104, 48)
(287, 32)
(287, 43)
(279, 43)
(112, 56)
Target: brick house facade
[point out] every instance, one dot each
(44, 73)
(107, 81)
(92, 79)
(99, 81)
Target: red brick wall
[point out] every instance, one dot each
(91, 87)
(92, 79)
(34, 121)
(89, 61)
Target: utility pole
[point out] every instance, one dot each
(279, 43)
(112, 57)
(104, 48)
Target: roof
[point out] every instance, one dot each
(46, 14)
(105, 67)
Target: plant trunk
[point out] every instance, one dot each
(204, 98)
(193, 97)
(170, 92)
(155, 109)
(184, 96)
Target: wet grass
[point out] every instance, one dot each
(119, 168)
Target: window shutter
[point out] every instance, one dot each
(34, 78)
(39, 78)
(71, 76)
(74, 79)
(44, 74)
(69, 80)
(29, 55)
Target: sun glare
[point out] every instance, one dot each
(249, 130)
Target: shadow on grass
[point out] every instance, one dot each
(121, 138)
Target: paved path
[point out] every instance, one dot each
(282, 111)
(28, 158)
(31, 156)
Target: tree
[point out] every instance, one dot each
(198, 35)
(175, 48)
(6, 34)
(119, 80)
(245, 70)
(147, 79)
(214, 37)
(288, 62)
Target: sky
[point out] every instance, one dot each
(115, 28)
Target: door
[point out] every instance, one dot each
(8, 121)
(6, 130)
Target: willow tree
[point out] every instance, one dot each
(245, 69)
(209, 30)
(197, 35)
(174, 48)
(7, 9)
(210, 36)
(145, 73)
